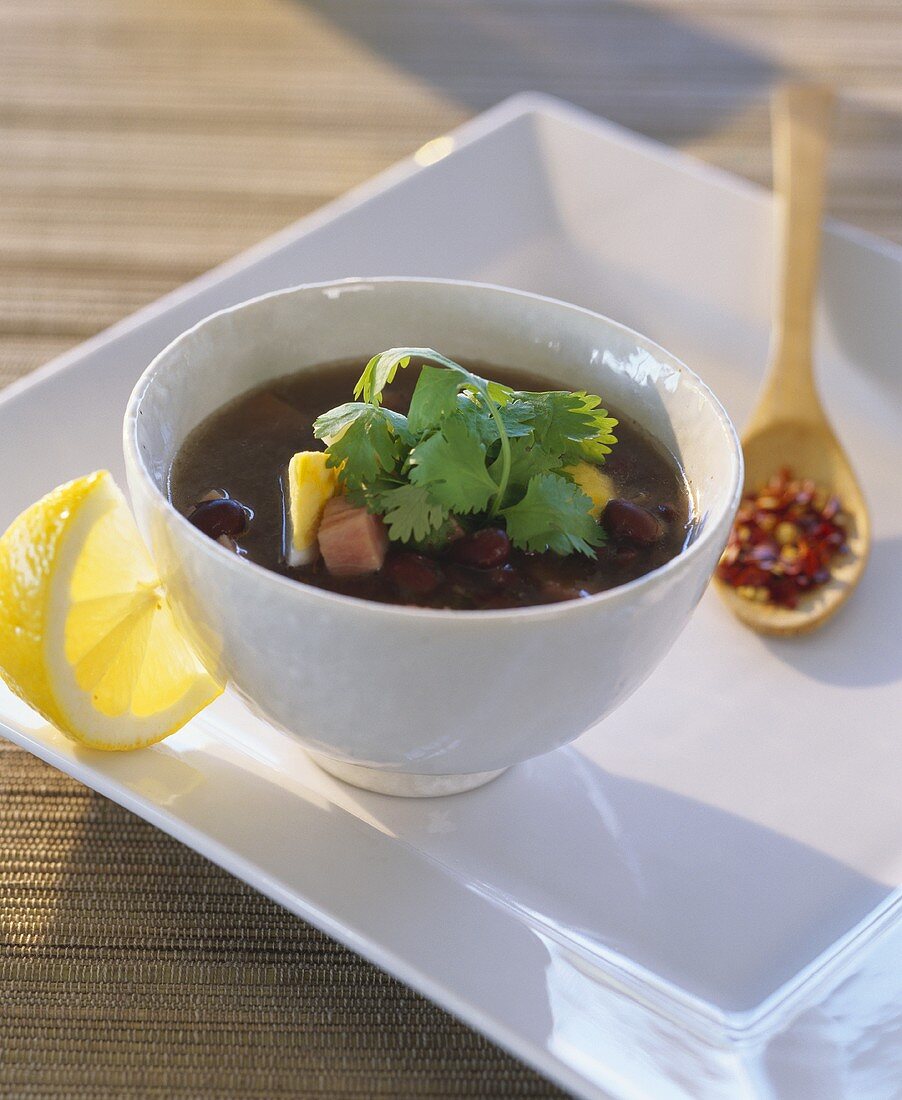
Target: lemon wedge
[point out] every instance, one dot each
(87, 637)
(311, 484)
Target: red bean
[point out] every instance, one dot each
(220, 517)
(667, 512)
(483, 549)
(414, 573)
(628, 522)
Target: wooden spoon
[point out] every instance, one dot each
(789, 426)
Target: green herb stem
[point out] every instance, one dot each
(505, 453)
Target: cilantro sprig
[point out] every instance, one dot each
(468, 447)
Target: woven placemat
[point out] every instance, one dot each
(131, 966)
(143, 141)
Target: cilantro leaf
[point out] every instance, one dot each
(369, 447)
(380, 372)
(499, 393)
(529, 457)
(452, 464)
(553, 515)
(434, 398)
(411, 512)
(468, 446)
(571, 424)
(438, 538)
(332, 423)
(368, 494)
(382, 368)
(515, 418)
(478, 424)
(599, 445)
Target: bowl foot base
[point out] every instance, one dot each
(403, 784)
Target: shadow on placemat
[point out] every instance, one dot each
(614, 58)
(661, 72)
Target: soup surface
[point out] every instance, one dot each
(243, 450)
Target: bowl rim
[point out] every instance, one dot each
(220, 556)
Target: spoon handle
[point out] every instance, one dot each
(801, 126)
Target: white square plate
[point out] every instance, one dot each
(699, 897)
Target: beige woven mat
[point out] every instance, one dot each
(142, 141)
(131, 966)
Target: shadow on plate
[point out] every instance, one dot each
(600, 868)
(721, 906)
(864, 314)
(869, 623)
(594, 862)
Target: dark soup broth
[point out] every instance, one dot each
(242, 452)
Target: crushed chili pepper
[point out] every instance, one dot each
(783, 540)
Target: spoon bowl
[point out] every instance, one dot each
(789, 427)
(810, 448)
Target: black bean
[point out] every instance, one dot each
(483, 549)
(630, 523)
(220, 517)
(213, 494)
(414, 573)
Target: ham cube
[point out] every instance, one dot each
(352, 540)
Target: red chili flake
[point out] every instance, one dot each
(784, 539)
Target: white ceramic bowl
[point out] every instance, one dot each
(409, 700)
